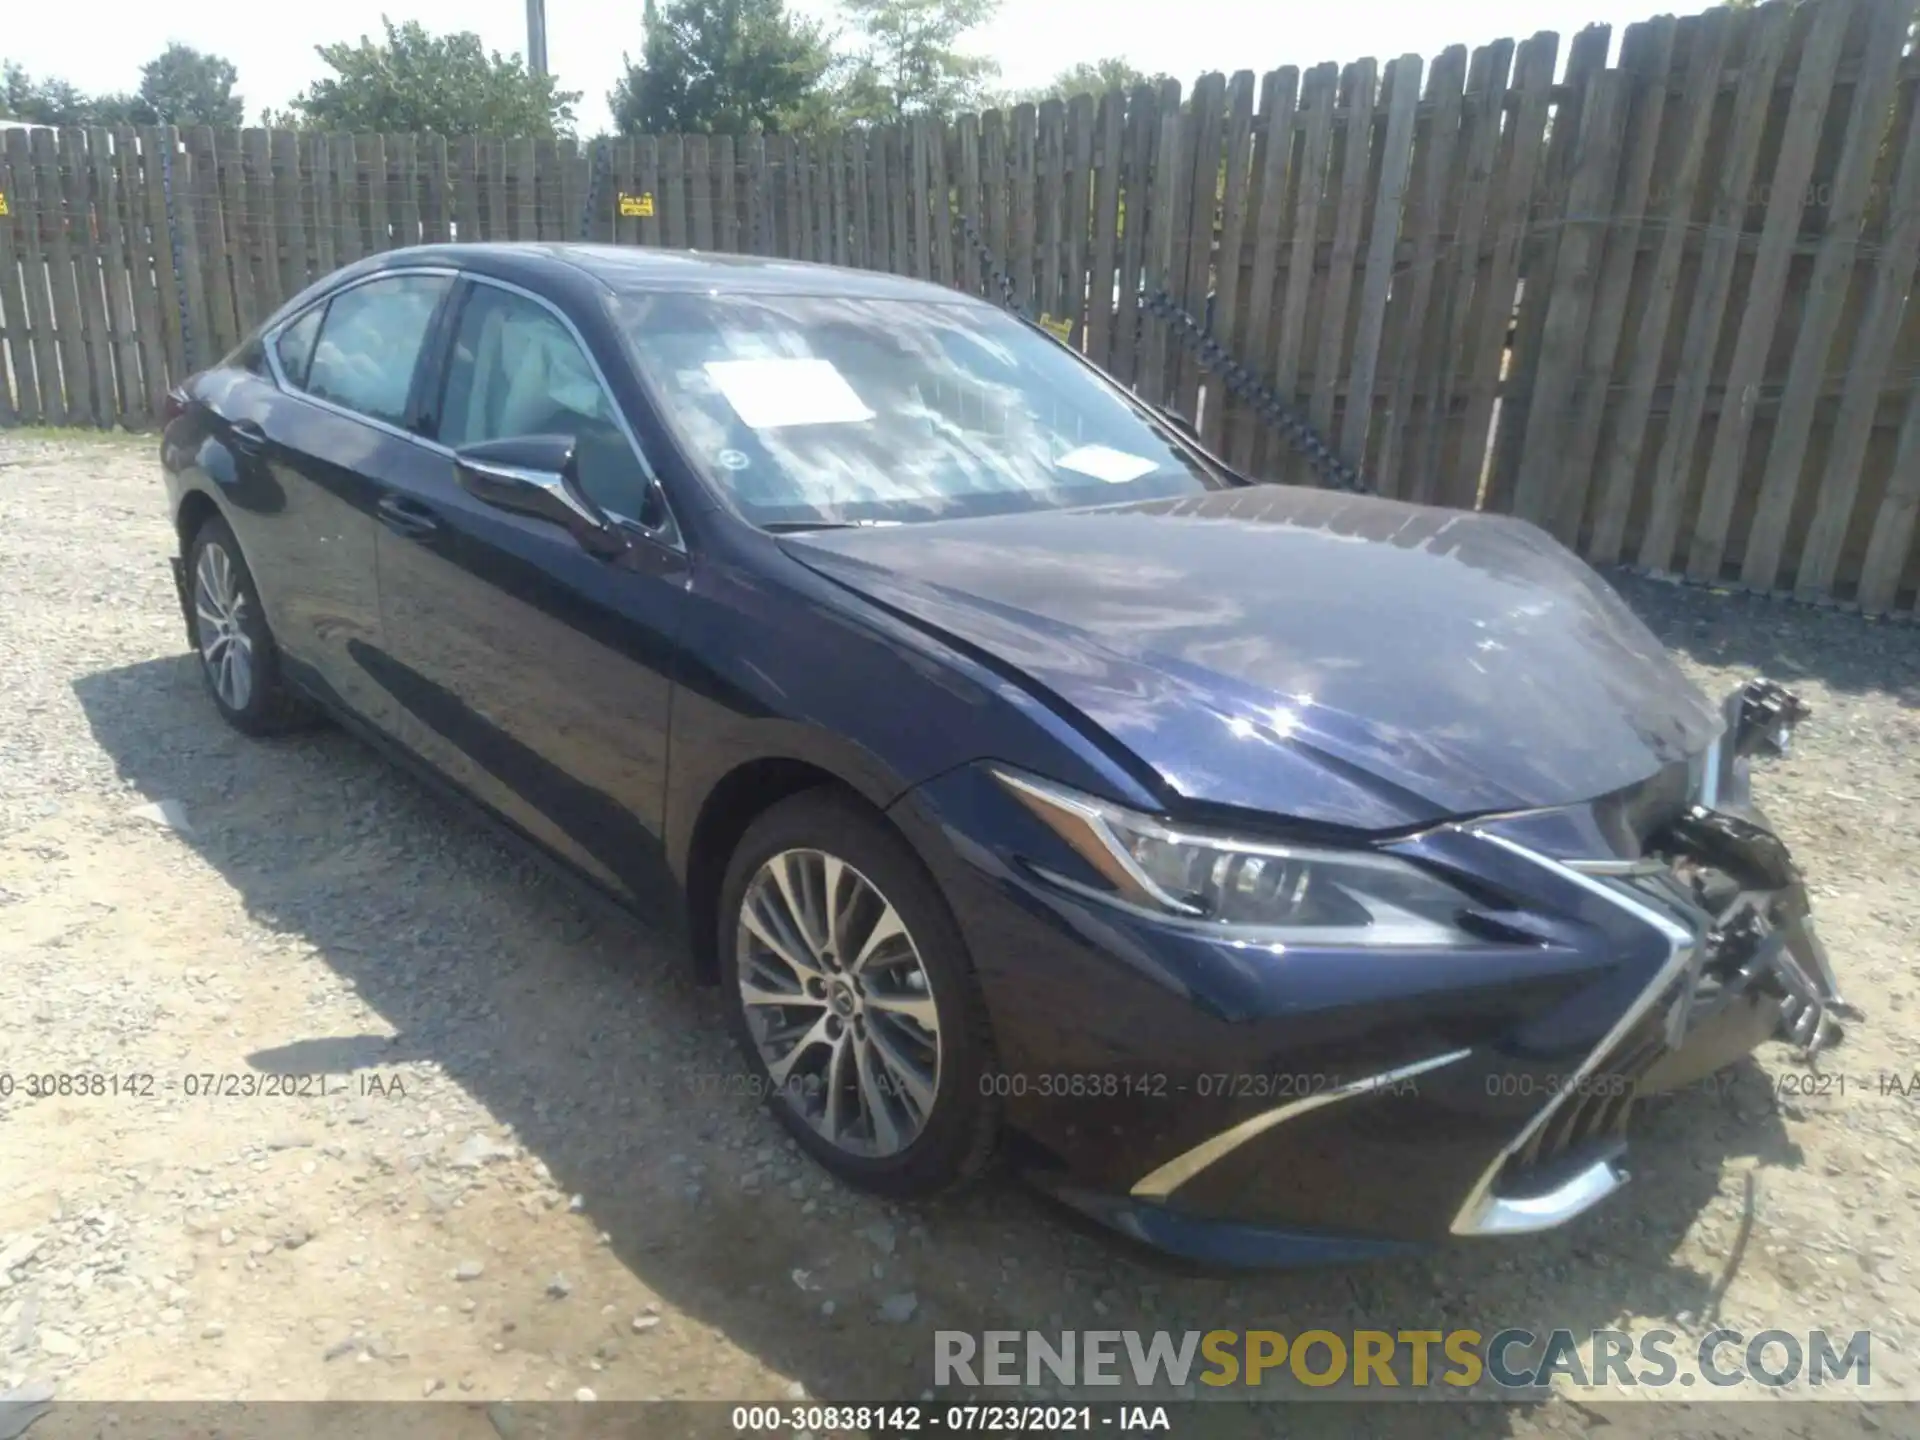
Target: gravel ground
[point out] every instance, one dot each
(530, 1179)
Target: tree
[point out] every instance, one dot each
(1095, 78)
(41, 102)
(719, 67)
(185, 86)
(419, 81)
(909, 64)
(179, 86)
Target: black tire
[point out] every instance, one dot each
(269, 705)
(957, 1137)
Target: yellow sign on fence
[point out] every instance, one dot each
(3, 202)
(1061, 330)
(640, 205)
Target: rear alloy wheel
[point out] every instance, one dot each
(855, 1000)
(238, 659)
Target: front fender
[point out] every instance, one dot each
(779, 664)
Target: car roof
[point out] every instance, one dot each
(639, 268)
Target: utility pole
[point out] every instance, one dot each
(537, 36)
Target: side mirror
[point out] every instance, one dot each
(535, 475)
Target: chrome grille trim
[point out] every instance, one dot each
(1165, 1179)
(1483, 1212)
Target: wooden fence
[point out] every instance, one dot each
(1660, 306)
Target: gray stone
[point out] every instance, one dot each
(476, 1151)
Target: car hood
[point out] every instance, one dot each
(1337, 658)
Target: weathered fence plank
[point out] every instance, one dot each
(1272, 167)
(1396, 167)
(129, 407)
(1412, 352)
(1539, 254)
(1104, 256)
(1157, 268)
(1883, 316)
(21, 403)
(1545, 491)
(1492, 313)
(1136, 206)
(57, 246)
(1487, 87)
(1646, 56)
(1760, 310)
(1620, 473)
(1873, 94)
(1079, 201)
(24, 188)
(1673, 469)
(1228, 323)
(1195, 207)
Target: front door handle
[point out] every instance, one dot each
(408, 518)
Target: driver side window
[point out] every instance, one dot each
(516, 370)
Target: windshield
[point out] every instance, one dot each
(825, 410)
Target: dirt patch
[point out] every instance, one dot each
(390, 1112)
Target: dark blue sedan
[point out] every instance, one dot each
(1291, 874)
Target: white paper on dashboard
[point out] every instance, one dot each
(1102, 462)
(771, 394)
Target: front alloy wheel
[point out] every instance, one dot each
(219, 606)
(838, 1002)
(854, 999)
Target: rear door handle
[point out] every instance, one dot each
(247, 437)
(406, 517)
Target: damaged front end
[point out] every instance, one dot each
(1696, 861)
(1760, 968)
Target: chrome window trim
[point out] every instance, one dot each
(1161, 1182)
(270, 338)
(1483, 1212)
(668, 534)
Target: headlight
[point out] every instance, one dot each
(1282, 892)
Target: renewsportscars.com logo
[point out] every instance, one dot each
(1371, 1362)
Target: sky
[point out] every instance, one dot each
(1033, 40)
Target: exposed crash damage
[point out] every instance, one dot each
(1747, 965)
(1762, 944)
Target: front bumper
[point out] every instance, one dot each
(1251, 1106)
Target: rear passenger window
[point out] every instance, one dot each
(370, 342)
(294, 348)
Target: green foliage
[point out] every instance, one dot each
(179, 86)
(42, 102)
(1095, 78)
(185, 86)
(415, 80)
(721, 67)
(907, 61)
